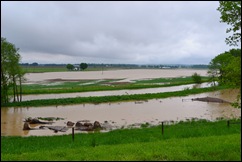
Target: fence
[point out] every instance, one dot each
(228, 123)
(162, 127)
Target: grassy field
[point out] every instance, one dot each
(42, 69)
(186, 140)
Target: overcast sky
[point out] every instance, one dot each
(138, 32)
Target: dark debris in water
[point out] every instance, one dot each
(50, 118)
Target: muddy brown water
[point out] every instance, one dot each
(121, 114)
(125, 75)
(114, 92)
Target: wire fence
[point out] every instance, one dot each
(167, 123)
(229, 123)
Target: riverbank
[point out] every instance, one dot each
(190, 140)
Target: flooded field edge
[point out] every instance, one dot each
(121, 114)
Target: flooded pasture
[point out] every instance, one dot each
(124, 75)
(118, 114)
(121, 114)
(114, 92)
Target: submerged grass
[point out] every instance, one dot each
(101, 85)
(172, 80)
(104, 99)
(189, 140)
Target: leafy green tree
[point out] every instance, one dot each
(70, 66)
(218, 64)
(231, 14)
(226, 69)
(234, 77)
(197, 78)
(231, 72)
(83, 66)
(224, 66)
(11, 72)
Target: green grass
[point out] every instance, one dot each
(190, 140)
(105, 99)
(42, 69)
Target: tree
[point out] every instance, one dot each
(231, 14)
(233, 72)
(11, 72)
(34, 64)
(218, 64)
(234, 77)
(70, 66)
(226, 69)
(83, 66)
(197, 78)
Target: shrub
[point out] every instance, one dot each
(197, 78)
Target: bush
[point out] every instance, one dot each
(197, 78)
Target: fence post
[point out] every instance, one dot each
(228, 123)
(162, 128)
(72, 133)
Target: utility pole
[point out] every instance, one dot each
(102, 68)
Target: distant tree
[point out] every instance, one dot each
(197, 78)
(11, 72)
(200, 66)
(70, 66)
(83, 66)
(25, 64)
(35, 64)
(231, 14)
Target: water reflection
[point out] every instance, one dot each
(122, 114)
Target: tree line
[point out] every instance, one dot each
(82, 66)
(12, 74)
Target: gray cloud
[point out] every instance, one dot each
(115, 32)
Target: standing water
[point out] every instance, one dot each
(121, 114)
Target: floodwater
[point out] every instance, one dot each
(125, 75)
(114, 92)
(121, 114)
